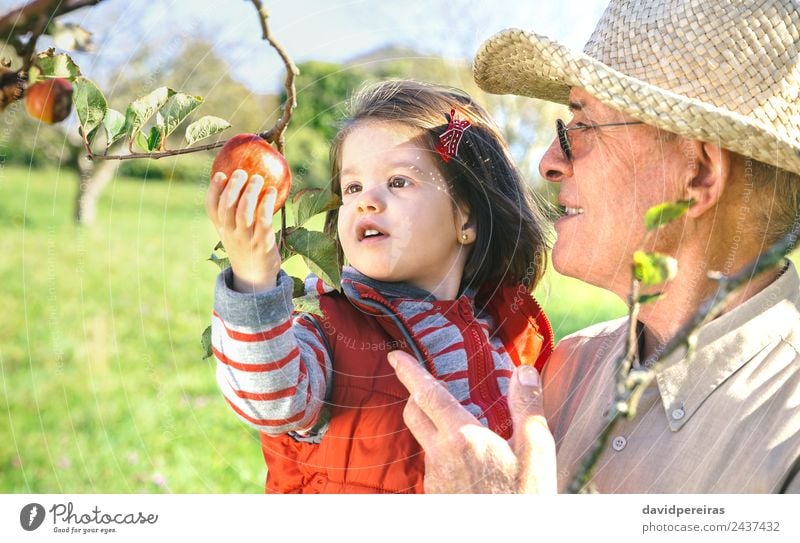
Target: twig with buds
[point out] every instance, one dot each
(632, 382)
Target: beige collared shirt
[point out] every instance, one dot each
(727, 420)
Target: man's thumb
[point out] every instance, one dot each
(532, 441)
(525, 394)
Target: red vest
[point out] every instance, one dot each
(367, 447)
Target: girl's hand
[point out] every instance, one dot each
(245, 228)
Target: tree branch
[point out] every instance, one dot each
(276, 132)
(631, 384)
(33, 18)
(273, 135)
(154, 156)
(20, 20)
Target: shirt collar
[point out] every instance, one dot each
(391, 290)
(726, 344)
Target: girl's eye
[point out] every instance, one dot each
(352, 188)
(398, 182)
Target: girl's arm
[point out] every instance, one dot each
(273, 368)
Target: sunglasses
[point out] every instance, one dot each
(563, 139)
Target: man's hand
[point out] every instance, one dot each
(463, 456)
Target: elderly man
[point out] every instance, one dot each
(672, 100)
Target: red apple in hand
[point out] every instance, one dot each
(49, 101)
(254, 155)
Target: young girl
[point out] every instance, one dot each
(443, 247)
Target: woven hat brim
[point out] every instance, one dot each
(527, 64)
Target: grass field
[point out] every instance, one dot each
(103, 386)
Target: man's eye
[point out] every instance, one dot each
(352, 188)
(398, 182)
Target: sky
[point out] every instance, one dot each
(332, 30)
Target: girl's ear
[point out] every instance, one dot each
(465, 224)
(707, 177)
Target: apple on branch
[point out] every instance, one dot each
(252, 153)
(50, 101)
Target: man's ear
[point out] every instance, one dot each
(708, 175)
(465, 224)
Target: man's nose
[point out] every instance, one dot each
(554, 166)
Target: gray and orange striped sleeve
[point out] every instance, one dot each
(273, 367)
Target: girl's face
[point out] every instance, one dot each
(398, 221)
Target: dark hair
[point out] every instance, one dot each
(511, 243)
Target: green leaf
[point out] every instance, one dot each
(177, 108)
(298, 287)
(310, 202)
(219, 247)
(154, 139)
(308, 304)
(205, 127)
(647, 298)
(90, 104)
(661, 214)
(653, 268)
(49, 65)
(114, 124)
(70, 36)
(34, 75)
(92, 134)
(141, 141)
(205, 341)
(222, 262)
(141, 110)
(319, 253)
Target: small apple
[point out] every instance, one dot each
(50, 101)
(253, 154)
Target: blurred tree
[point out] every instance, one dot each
(322, 92)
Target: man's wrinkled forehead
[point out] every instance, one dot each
(581, 102)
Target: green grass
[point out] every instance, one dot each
(103, 386)
(571, 304)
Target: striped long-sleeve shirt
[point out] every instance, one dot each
(274, 367)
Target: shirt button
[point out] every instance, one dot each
(678, 414)
(619, 443)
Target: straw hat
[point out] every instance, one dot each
(726, 72)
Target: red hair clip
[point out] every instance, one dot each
(450, 138)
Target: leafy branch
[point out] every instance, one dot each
(180, 106)
(631, 382)
(22, 27)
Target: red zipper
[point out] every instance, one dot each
(481, 372)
